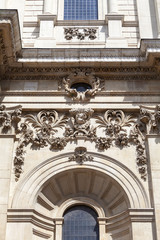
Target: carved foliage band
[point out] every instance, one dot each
(80, 33)
(118, 129)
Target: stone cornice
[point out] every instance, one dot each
(146, 55)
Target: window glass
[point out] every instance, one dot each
(81, 87)
(80, 223)
(80, 9)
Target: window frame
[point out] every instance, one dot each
(102, 11)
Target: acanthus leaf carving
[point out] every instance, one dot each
(8, 117)
(120, 130)
(114, 122)
(39, 131)
(150, 117)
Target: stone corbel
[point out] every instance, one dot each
(46, 31)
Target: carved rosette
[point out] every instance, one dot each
(80, 155)
(80, 33)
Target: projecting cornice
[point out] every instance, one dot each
(12, 52)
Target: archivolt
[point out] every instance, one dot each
(29, 187)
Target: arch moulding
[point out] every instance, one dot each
(29, 187)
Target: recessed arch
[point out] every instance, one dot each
(29, 187)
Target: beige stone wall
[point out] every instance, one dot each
(60, 147)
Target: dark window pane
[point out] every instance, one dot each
(81, 87)
(80, 9)
(80, 223)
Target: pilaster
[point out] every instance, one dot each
(154, 157)
(2, 4)
(46, 33)
(58, 228)
(157, 8)
(147, 19)
(6, 150)
(50, 6)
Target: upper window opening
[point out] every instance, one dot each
(81, 87)
(80, 9)
(80, 223)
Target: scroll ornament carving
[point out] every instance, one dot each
(82, 96)
(115, 124)
(39, 130)
(9, 117)
(80, 33)
(80, 155)
(118, 129)
(150, 117)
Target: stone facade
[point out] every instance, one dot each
(61, 147)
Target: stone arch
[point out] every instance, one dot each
(29, 187)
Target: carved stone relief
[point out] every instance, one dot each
(96, 84)
(119, 129)
(39, 131)
(150, 116)
(9, 117)
(80, 155)
(80, 33)
(80, 119)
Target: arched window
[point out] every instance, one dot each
(80, 9)
(80, 223)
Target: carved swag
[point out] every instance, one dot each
(118, 128)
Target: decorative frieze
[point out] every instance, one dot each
(80, 33)
(80, 155)
(115, 128)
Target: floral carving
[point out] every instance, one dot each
(103, 143)
(26, 138)
(114, 122)
(95, 83)
(118, 129)
(122, 140)
(8, 117)
(80, 33)
(137, 138)
(80, 119)
(39, 130)
(150, 117)
(80, 155)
